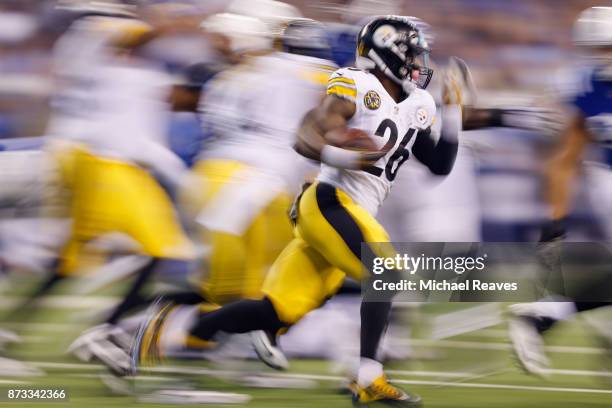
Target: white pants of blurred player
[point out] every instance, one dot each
(426, 208)
(598, 178)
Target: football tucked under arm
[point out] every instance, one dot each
(323, 136)
(351, 139)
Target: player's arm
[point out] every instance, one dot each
(542, 120)
(439, 155)
(184, 98)
(155, 22)
(559, 175)
(186, 94)
(331, 115)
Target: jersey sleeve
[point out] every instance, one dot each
(584, 95)
(426, 114)
(342, 84)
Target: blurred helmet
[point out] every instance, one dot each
(16, 27)
(122, 32)
(396, 46)
(244, 33)
(356, 10)
(275, 14)
(306, 37)
(593, 28)
(105, 7)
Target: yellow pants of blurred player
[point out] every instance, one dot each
(237, 262)
(327, 246)
(115, 196)
(60, 180)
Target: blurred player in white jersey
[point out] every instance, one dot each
(76, 57)
(383, 98)
(241, 187)
(114, 111)
(590, 123)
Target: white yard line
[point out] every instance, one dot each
(139, 378)
(14, 382)
(459, 344)
(442, 374)
(206, 371)
(494, 333)
(482, 345)
(40, 326)
(505, 387)
(579, 373)
(455, 374)
(65, 302)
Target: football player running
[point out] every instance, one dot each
(590, 122)
(242, 182)
(110, 175)
(383, 97)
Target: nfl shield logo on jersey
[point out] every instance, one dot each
(372, 100)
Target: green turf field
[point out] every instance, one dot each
(472, 370)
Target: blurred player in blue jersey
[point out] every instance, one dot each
(590, 123)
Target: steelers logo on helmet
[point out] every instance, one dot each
(384, 35)
(396, 47)
(372, 100)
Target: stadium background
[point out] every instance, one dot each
(512, 48)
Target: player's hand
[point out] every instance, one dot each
(351, 149)
(457, 85)
(369, 158)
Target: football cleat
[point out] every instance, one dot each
(107, 344)
(381, 391)
(525, 331)
(146, 351)
(267, 350)
(16, 368)
(7, 337)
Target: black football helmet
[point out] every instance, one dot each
(396, 45)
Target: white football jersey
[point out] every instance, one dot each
(76, 56)
(254, 110)
(391, 124)
(131, 109)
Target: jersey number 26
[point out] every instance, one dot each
(399, 156)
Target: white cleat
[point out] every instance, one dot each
(105, 343)
(528, 344)
(268, 351)
(7, 337)
(16, 368)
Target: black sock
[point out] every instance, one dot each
(238, 317)
(584, 306)
(133, 298)
(42, 290)
(374, 320)
(180, 298)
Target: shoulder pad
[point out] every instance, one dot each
(342, 84)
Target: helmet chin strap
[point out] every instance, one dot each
(373, 60)
(408, 85)
(364, 63)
